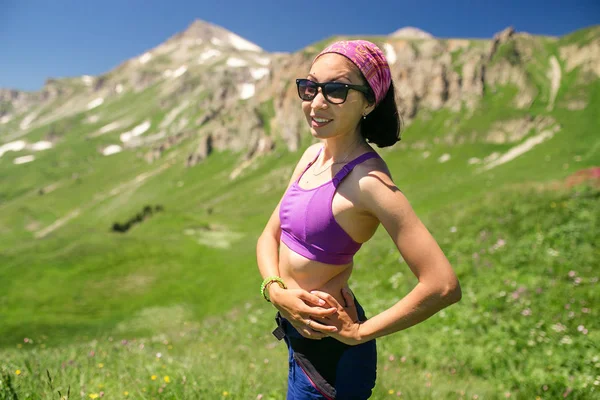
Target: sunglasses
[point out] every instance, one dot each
(334, 92)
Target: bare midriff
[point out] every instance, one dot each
(298, 272)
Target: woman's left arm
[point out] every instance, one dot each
(437, 285)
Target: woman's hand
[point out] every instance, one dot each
(303, 310)
(345, 319)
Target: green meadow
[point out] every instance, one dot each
(171, 308)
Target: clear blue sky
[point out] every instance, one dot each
(44, 38)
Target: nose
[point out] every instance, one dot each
(319, 101)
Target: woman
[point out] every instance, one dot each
(339, 193)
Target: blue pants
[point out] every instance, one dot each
(327, 368)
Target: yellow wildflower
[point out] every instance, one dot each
(225, 393)
(100, 365)
(391, 391)
(126, 393)
(18, 372)
(153, 377)
(167, 379)
(93, 395)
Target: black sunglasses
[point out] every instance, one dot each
(334, 92)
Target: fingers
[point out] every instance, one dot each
(311, 298)
(306, 331)
(317, 326)
(328, 298)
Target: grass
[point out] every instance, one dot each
(526, 325)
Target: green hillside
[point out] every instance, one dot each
(95, 307)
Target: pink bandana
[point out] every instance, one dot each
(369, 60)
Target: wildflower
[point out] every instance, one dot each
(153, 377)
(167, 379)
(391, 391)
(158, 355)
(392, 358)
(526, 312)
(126, 393)
(19, 346)
(18, 372)
(100, 365)
(259, 397)
(225, 393)
(94, 395)
(169, 347)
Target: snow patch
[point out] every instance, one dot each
(520, 149)
(41, 145)
(110, 127)
(27, 121)
(119, 88)
(242, 44)
(210, 53)
(137, 131)
(5, 119)
(263, 60)
(444, 157)
(259, 73)
(236, 62)
(87, 80)
(24, 159)
(92, 119)
(145, 58)
(112, 149)
(247, 90)
(179, 71)
(216, 42)
(95, 103)
(390, 53)
(17, 145)
(173, 114)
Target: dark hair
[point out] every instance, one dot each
(382, 126)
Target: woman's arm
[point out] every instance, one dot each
(293, 304)
(438, 286)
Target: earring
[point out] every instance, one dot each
(364, 116)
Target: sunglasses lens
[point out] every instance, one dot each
(335, 92)
(307, 90)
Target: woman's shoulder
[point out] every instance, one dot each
(373, 173)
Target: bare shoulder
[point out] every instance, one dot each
(373, 172)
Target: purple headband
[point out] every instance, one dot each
(369, 60)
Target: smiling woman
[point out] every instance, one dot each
(339, 193)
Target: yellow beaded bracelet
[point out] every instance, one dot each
(265, 284)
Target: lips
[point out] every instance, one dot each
(318, 122)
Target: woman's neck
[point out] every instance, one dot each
(339, 149)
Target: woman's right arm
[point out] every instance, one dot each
(293, 304)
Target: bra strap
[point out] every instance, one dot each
(346, 169)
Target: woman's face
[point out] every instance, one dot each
(327, 120)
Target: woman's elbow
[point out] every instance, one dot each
(452, 293)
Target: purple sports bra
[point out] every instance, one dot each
(308, 226)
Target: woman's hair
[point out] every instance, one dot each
(382, 126)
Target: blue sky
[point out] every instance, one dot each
(44, 38)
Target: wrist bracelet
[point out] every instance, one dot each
(265, 285)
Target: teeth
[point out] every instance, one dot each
(320, 120)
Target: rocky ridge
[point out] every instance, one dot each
(224, 92)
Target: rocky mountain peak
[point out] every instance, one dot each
(410, 32)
